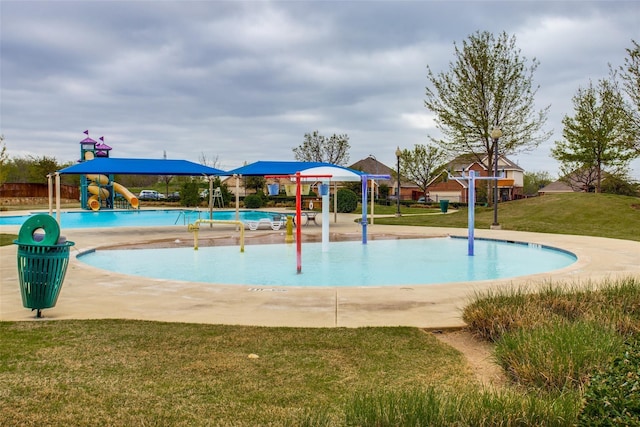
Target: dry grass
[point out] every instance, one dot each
(615, 304)
(142, 373)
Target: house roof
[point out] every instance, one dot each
(262, 168)
(465, 161)
(110, 165)
(556, 187)
(372, 166)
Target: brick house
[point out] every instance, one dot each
(408, 190)
(510, 186)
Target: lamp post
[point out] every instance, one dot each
(496, 133)
(398, 153)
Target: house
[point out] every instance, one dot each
(580, 180)
(370, 165)
(555, 187)
(510, 185)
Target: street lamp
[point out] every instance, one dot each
(496, 133)
(398, 153)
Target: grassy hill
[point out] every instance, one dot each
(589, 214)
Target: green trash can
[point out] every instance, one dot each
(41, 270)
(42, 265)
(444, 206)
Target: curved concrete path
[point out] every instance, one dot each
(90, 293)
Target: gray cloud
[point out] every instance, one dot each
(244, 81)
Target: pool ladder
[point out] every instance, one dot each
(185, 217)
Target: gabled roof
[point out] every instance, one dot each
(262, 168)
(556, 187)
(110, 165)
(465, 161)
(371, 166)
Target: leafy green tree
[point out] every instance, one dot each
(534, 181)
(630, 74)
(422, 164)
(600, 134)
(255, 182)
(620, 184)
(40, 167)
(317, 148)
(488, 85)
(17, 170)
(4, 160)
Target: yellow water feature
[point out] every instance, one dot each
(99, 192)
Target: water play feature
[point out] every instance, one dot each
(347, 264)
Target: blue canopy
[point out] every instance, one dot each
(108, 165)
(261, 168)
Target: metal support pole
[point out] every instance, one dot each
(471, 220)
(398, 152)
(298, 224)
(57, 183)
(364, 210)
(495, 183)
(50, 186)
(496, 133)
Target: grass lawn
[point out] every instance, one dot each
(113, 372)
(117, 372)
(587, 214)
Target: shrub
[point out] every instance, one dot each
(347, 200)
(253, 201)
(612, 397)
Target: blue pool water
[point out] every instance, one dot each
(139, 218)
(378, 263)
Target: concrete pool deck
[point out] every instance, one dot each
(91, 293)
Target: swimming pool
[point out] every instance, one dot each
(141, 218)
(398, 262)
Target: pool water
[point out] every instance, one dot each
(140, 218)
(379, 263)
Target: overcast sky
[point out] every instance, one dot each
(237, 82)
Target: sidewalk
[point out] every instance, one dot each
(90, 293)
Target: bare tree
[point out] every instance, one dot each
(204, 160)
(422, 164)
(317, 148)
(4, 158)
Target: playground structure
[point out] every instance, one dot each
(96, 190)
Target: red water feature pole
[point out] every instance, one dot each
(298, 224)
(298, 177)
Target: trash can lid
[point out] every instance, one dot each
(43, 222)
(38, 237)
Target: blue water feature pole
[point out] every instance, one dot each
(363, 222)
(471, 218)
(325, 215)
(471, 202)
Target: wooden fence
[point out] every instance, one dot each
(19, 190)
